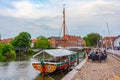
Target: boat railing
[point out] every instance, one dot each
(49, 60)
(52, 62)
(81, 55)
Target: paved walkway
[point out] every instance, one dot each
(114, 51)
(106, 70)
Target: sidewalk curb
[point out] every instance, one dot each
(72, 73)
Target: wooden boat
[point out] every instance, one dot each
(61, 59)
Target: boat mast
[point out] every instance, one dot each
(64, 27)
(110, 37)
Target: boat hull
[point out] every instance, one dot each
(47, 68)
(66, 65)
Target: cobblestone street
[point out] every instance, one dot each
(106, 70)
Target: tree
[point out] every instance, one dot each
(40, 37)
(93, 38)
(87, 41)
(7, 52)
(42, 43)
(22, 41)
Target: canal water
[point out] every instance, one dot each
(23, 70)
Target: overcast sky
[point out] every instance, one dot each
(44, 17)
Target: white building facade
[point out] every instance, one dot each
(117, 43)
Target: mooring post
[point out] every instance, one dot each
(68, 63)
(77, 58)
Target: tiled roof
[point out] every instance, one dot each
(56, 38)
(71, 36)
(34, 40)
(7, 40)
(108, 38)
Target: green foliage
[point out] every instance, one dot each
(92, 39)
(40, 37)
(87, 41)
(4, 48)
(42, 43)
(23, 40)
(6, 52)
(13, 54)
(30, 51)
(2, 58)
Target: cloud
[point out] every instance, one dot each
(27, 10)
(45, 17)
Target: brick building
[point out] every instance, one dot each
(70, 41)
(107, 43)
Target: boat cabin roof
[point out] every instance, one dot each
(56, 52)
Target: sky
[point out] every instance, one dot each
(44, 17)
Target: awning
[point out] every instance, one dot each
(56, 52)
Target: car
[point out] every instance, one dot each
(117, 48)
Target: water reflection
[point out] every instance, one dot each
(46, 77)
(57, 75)
(17, 70)
(23, 70)
(4, 64)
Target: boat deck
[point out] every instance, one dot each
(106, 70)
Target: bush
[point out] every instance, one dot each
(13, 54)
(2, 58)
(30, 51)
(7, 52)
